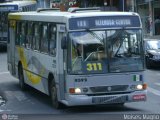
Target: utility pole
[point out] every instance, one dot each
(132, 5)
(150, 18)
(123, 6)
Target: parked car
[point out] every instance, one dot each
(152, 52)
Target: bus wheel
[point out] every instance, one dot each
(53, 95)
(120, 104)
(21, 78)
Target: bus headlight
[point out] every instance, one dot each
(139, 87)
(77, 90)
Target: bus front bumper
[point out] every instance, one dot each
(76, 100)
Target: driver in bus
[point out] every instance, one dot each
(117, 49)
(79, 49)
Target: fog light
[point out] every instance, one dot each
(85, 90)
(139, 87)
(77, 90)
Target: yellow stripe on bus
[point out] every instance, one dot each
(33, 78)
(15, 17)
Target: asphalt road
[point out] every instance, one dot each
(30, 104)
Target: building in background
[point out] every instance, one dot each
(110, 5)
(43, 3)
(149, 11)
(106, 5)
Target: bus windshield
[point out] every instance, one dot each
(105, 51)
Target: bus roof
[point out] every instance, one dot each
(91, 20)
(49, 14)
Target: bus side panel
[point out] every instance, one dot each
(41, 67)
(9, 55)
(11, 51)
(36, 67)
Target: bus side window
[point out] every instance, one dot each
(18, 33)
(23, 35)
(36, 38)
(24, 9)
(44, 40)
(29, 35)
(33, 37)
(52, 39)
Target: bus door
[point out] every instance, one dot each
(11, 46)
(61, 62)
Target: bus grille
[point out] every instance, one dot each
(109, 100)
(116, 88)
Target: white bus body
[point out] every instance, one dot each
(54, 66)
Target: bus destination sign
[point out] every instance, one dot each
(103, 22)
(8, 8)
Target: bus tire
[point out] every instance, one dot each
(53, 94)
(118, 104)
(21, 78)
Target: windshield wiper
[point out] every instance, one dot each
(94, 35)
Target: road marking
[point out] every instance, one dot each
(1, 73)
(154, 91)
(4, 110)
(157, 84)
(19, 95)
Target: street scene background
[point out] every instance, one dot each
(32, 104)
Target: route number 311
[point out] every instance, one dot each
(94, 67)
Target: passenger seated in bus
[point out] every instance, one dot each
(101, 55)
(117, 49)
(52, 46)
(77, 57)
(79, 50)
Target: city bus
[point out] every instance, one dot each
(79, 57)
(8, 7)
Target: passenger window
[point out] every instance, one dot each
(18, 33)
(52, 39)
(22, 35)
(44, 40)
(36, 37)
(29, 35)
